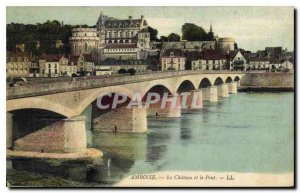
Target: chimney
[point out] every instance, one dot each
(130, 17)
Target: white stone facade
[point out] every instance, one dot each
(18, 66)
(85, 41)
(172, 62)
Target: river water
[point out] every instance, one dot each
(246, 132)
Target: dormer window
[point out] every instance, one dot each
(171, 54)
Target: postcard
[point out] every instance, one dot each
(150, 96)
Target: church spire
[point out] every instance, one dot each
(210, 29)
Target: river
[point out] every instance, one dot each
(246, 132)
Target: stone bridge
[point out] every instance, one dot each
(56, 116)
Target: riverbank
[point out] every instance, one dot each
(87, 154)
(265, 89)
(208, 179)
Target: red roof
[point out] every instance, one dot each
(123, 45)
(73, 59)
(192, 55)
(212, 55)
(13, 57)
(50, 57)
(176, 53)
(258, 59)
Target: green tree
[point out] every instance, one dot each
(131, 71)
(164, 39)
(153, 33)
(46, 33)
(122, 71)
(192, 32)
(174, 37)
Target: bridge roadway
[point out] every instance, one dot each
(56, 85)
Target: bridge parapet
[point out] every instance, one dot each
(29, 90)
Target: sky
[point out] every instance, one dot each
(252, 27)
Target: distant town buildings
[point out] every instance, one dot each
(173, 59)
(118, 45)
(209, 60)
(18, 64)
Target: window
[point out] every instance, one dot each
(49, 65)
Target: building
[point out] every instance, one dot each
(84, 62)
(274, 52)
(121, 51)
(275, 64)
(226, 44)
(210, 60)
(237, 61)
(50, 65)
(18, 64)
(85, 41)
(125, 37)
(189, 46)
(112, 66)
(258, 63)
(67, 67)
(173, 59)
(287, 64)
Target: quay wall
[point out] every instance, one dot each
(268, 81)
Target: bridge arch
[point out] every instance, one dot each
(22, 122)
(160, 89)
(185, 85)
(218, 81)
(237, 78)
(205, 82)
(38, 103)
(93, 95)
(228, 79)
(164, 85)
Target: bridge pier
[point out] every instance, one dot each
(123, 119)
(194, 100)
(210, 94)
(172, 108)
(232, 87)
(63, 136)
(223, 90)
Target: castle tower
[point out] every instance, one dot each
(85, 41)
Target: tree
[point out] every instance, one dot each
(122, 71)
(174, 37)
(192, 32)
(131, 71)
(163, 39)
(153, 34)
(45, 33)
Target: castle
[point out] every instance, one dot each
(112, 38)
